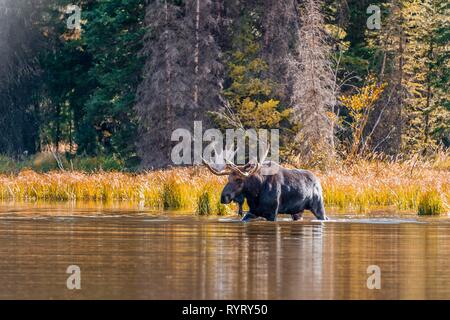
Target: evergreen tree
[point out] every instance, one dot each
(91, 76)
(182, 76)
(112, 36)
(20, 44)
(137, 70)
(252, 98)
(313, 90)
(409, 52)
(279, 27)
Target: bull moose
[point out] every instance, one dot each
(287, 191)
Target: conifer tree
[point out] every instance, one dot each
(408, 42)
(313, 88)
(20, 74)
(183, 73)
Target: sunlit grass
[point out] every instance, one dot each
(187, 189)
(421, 188)
(430, 203)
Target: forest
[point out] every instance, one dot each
(118, 84)
(101, 85)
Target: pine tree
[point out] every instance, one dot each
(390, 42)
(313, 89)
(113, 38)
(202, 22)
(251, 96)
(417, 50)
(162, 86)
(90, 75)
(409, 50)
(434, 98)
(183, 74)
(279, 18)
(20, 74)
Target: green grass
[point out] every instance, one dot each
(430, 203)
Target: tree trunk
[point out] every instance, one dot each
(196, 55)
(168, 78)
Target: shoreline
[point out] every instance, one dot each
(359, 188)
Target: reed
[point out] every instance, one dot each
(407, 186)
(430, 203)
(414, 187)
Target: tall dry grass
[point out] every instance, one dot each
(407, 186)
(190, 189)
(411, 186)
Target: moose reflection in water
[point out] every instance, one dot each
(269, 188)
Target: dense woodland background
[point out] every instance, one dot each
(136, 70)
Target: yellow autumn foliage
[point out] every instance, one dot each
(365, 97)
(360, 105)
(261, 114)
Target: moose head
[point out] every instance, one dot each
(237, 175)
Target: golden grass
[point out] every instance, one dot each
(189, 189)
(422, 188)
(430, 203)
(408, 186)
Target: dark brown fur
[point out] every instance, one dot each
(288, 191)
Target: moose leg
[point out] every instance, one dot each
(240, 211)
(269, 202)
(272, 216)
(248, 216)
(240, 201)
(269, 210)
(318, 210)
(297, 216)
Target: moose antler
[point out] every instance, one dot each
(214, 171)
(254, 169)
(228, 164)
(229, 154)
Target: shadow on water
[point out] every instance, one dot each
(137, 254)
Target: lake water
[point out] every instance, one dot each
(136, 254)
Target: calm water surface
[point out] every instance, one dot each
(131, 254)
